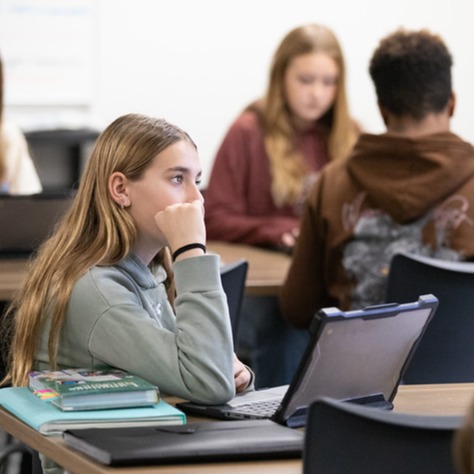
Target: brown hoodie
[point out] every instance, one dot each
(392, 194)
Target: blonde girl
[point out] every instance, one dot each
(104, 291)
(274, 150)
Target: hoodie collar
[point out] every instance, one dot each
(406, 177)
(141, 273)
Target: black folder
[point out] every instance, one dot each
(194, 442)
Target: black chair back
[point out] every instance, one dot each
(343, 437)
(233, 276)
(446, 352)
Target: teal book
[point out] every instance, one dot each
(91, 389)
(48, 419)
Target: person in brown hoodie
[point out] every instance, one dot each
(410, 189)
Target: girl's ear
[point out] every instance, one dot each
(118, 189)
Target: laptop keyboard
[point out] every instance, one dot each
(264, 408)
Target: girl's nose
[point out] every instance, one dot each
(195, 194)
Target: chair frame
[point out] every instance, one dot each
(346, 437)
(446, 350)
(233, 277)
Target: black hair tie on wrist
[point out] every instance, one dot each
(185, 248)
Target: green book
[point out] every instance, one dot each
(48, 419)
(87, 389)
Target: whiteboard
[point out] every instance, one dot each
(46, 48)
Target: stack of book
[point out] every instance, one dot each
(50, 408)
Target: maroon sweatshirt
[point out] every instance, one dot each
(238, 201)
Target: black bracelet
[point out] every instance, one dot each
(185, 248)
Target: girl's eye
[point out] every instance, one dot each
(198, 181)
(330, 81)
(178, 179)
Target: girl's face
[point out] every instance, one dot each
(310, 86)
(172, 178)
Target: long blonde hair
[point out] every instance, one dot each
(95, 231)
(287, 165)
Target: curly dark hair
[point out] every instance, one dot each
(411, 72)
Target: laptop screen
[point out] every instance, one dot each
(29, 220)
(358, 354)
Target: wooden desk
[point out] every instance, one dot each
(446, 399)
(440, 399)
(267, 268)
(54, 448)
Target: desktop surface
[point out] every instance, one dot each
(442, 399)
(266, 273)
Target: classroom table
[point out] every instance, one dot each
(442, 399)
(266, 273)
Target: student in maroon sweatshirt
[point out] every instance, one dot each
(274, 150)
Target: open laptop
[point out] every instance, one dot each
(27, 220)
(357, 356)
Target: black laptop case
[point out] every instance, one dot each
(357, 356)
(194, 442)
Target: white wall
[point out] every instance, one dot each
(199, 62)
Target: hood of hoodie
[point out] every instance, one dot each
(406, 177)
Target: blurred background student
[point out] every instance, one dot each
(265, 167)
(410, 189)
(17, 171)
(274, 150)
